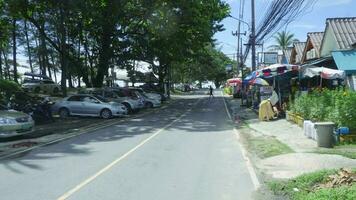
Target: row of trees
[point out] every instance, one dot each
(83, 39)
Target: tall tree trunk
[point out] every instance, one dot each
(1, 73)
(54, 67)
(104, 57)
(44, 52)
(106, 51)
(39, 55)
(7, 67)
(64, 61)
(161, 78)
(90, 71)
(49, 68)
(14, 49)
(28, 47)
(70, 81)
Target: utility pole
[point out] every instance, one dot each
(238, 41)
(253, 36)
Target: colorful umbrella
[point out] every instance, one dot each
(234, 80)
(259, 81)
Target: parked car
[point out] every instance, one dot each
(154, 88)
(88, 105)
(149, 102)
(116, 95)
(38, 83)
(13, 123)
(125, 93)
(148, 94)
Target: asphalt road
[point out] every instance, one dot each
(187, 151)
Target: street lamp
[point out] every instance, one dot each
(248, 25)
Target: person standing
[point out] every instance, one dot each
(211, 92)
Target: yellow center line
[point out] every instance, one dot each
(109, 166)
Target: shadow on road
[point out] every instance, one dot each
(208, 115)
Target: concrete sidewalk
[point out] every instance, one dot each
(292, 164)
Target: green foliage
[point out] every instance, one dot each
(304, 184)
(268, 146)
(228, 90)
(344, 149)
(337, 106)
(283, 40)
(8, 88)
(208, 65)
(87, 37)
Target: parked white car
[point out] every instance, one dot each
(38, 83)
(13, 123)
(149, 102)
(148, 94)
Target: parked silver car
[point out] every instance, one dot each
(88, 105)
(150, 95)
(116, 95)
(150, 102)
(14, 123)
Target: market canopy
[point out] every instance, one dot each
(234, 81)
(277, 69)
(345, 60)
(259, 81)
(324, 72)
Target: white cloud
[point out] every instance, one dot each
(328, 3)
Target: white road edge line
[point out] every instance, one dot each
(249, 165)
(109, 166)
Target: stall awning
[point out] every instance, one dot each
(324, 72)
(345, 60)
(317, 62)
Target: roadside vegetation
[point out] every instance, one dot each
(81, 41)
(265, 146)
(344, 149)
(337, 106)
(321, 185)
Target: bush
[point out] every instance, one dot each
(8, 88)
(338, 106)
(228, 90)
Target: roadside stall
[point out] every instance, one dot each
(326, 77)
(236, 84)
(279, 76)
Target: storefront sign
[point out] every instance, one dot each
(265, 92)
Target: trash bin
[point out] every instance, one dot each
(324, 131)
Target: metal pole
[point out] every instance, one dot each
(253, 36)
(239, 36)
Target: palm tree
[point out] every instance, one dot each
(284, 40)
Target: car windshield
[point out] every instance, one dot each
(144, 95)
(31, 81)
(101, 98)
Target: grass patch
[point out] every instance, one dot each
(300, 188)
(266, 146)
(346, 150)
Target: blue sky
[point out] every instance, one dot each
(312, 20)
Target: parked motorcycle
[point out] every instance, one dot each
(39, 111)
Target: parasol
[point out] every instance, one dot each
(259, 81)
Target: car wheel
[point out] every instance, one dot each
(106, 114)
(37, 90)
(149, 105)
(55, 91)
(129, 109)
(63, 113)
